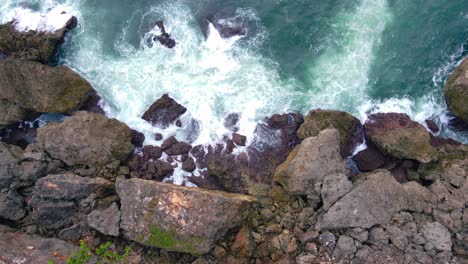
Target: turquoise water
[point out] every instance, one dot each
(361, 56)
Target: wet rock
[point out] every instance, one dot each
(226, 28)
(42, 88)
(55, 198)
(178, 218)
(86, 138)
(32, 46)
(178, 148)
(438, 236)
(355, 209)
(164, 112)
(189, 165)
(310, 162)
(151, 152)
(239, 139)
(369, 159)
(398, 136)
(158, 136)
(106, 221)
(169, 142)
(23, 248)
(231, 122)
(137, 138)
(348, 126)
(432, 126)
(165, 39)
(163, 168)
(456, 91)
(333, 188)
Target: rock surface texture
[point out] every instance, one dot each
(456, 91)
(178, 218)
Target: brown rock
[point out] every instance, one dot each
(239, 139)
(168, 143)
(369, 159)
(242, 246)
(189, 165)
(164, 112)
(151, 152)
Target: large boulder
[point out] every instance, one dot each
(374, 199)
(42, 88)
(178, 218)
(86, 139)
(32, 45)
(55, 202)
(164, 112)
(398, 136)
(23, 248)
(348, 126)
(11, 113)
(456, 91)
(310, 162)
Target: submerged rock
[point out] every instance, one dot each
(42, 88)
(164, 112)
(349, 128)
(398, 136)
(456, 91)
(228, 29)
(32, 46)
(87, 139)
(178, 218)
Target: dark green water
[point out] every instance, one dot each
(360, 56)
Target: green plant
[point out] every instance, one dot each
(104, 254)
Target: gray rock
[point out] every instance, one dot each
(41, 88)
(333, 188)
(310, 162)
(359, 234)
(377, 234)
(54, 214)
(86, 138)
(448, 197)
(72, 233)
(327, 239)
(397, 237)
(437, 235)
(11, 206)
(344, 247)
(106, 221)
(374, 199)
(420, 199)
(23, 248)
(308, 236)
(10, 158)
(178, 218)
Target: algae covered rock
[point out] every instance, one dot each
(348, 126)
(310, 162)
(178, 218)
(32, 45)
(86, 139)
(456, 91)
(398, 136)
(42, 88)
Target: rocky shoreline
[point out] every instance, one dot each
(306, 198)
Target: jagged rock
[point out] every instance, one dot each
(42, 88)
(31, 45)
(438, 236)
(106, 221)
(348, 126)
(23, 248)
(239, 139)
(164, 112)
(373, 200)
(55, 197)
(456, 91)
(398, 136)
(333, 188)
(448, 197)
(151, 152)
(86, 138)
(11, 113)
(177, 218)
(310, 162)
(227, 28)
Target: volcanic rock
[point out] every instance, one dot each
(456, 91)
(398, 136)
(86, 138)
(178, 218)
(164, 112)
(32, 46)
(41, 88)
(348, 126)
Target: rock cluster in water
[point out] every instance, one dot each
(92, 178)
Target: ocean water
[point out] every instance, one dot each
(360, 56)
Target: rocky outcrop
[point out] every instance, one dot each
(41, 88)
(178, 218)
(456, 91)
(348, 126)
(372, 201)
(164, 112)
(87, 139)
(398, 136)
(310, 162)
(32, 46)
(56, 198)
(17, 247)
